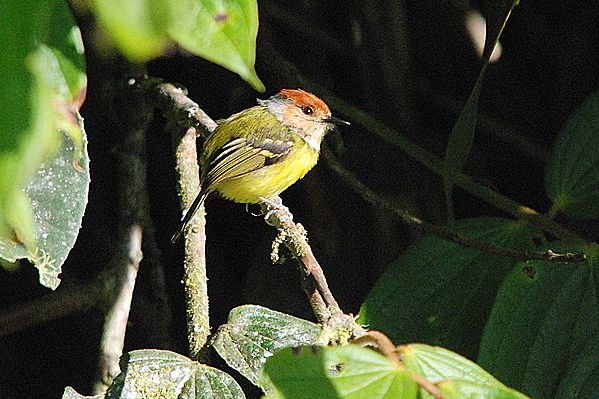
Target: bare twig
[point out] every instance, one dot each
(115, 325)
(175, 105)
(380, 341)
(65, 301)
(446, 234)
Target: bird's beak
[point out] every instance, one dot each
(335, 121)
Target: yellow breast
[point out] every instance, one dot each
(270, 180)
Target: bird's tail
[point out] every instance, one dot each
(199, 200)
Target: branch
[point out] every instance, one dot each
(325, 307)
(115, 324)
(61, 303)
(185, 122)
(194, 262)
(371, 197)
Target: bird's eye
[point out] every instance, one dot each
(308, 110)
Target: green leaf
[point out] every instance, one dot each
(341, 372)
(137, 27)
(441, 293)
(43, 83)
(58, 195)
(253, 333)
(222, 31)
(456, 376)
(151, 373)
(459, 389)
(581, 379)
(572, 181)
(543, 320)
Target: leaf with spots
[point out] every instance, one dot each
(58, 196)
(42, 90)
(253, 333)
(150, 373)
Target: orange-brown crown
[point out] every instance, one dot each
(302, 98)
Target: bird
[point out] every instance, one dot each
(256, 154)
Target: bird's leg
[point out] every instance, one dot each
(277, 209)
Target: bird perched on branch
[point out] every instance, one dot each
(257, 153)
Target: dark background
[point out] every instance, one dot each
(410, 64)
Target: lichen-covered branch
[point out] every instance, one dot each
(186, 121)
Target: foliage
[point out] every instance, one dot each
(44, 174)
(222, 31)
(532, 325)
(441, 293)
(572, 180)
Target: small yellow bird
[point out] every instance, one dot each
(260, 151)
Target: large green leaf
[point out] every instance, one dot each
(581, 380)
(357, 372)
(43, 81)
(167, 375)
(572, 179)
(343, 372)
(544, 327)
(222, 31)
(456, 376)
(441, 293)
(253, 333)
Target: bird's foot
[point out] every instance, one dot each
(276, 213)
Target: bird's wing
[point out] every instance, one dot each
(244, 155)
(252, 146)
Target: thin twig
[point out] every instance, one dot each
(446, 234)
(175, 105)
(115, 324)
